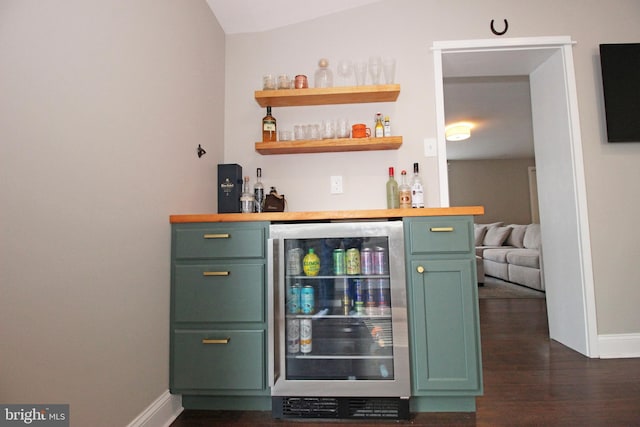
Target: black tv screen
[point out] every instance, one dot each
(621, 84)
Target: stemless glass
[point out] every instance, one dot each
(345, 69)
(360, 69)
(375, 69)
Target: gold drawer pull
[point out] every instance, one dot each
(441, 229)
(420, 269)
(210, 341)
(216, 273)
(217, 236)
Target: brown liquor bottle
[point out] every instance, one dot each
(269, 133)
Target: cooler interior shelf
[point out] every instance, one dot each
(325, 96)
(329, 145)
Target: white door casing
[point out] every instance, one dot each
(562, 192)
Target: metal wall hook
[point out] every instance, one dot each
(500, 33)
(201, 151)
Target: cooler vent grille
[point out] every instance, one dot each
(310, 407)
(374, 408)
(340, 407)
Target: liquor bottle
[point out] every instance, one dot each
(404, 191)
(417, 190)
(246, 199)
(387, 126)
(269, 127)
(258, 192)
(393, 202)
(379, 129)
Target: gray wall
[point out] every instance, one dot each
(501, 186)
(103, 106)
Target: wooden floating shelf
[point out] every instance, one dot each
(324, 96)
(329, 145)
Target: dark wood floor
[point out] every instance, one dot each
(529, 380)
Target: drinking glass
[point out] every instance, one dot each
(360, 69)
(375, 69)
(345, 69)
(389, 70)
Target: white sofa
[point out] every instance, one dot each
(511, 253)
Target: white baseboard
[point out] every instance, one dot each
(618, 346)
(161, 413)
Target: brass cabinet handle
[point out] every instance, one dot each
(216, 273)
(441, 229)
(217, 236)
(216, 341)
(420, 269)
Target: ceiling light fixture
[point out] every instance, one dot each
(458, 131)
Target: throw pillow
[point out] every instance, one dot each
(516, 238)
(493, 224)
(496, 236)
(532, 237)
(480, 231)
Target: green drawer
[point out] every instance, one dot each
(218, 359)
(441, 234)
(219, 293)
(219, 241)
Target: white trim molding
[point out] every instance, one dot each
(161, 413)
(618, 346)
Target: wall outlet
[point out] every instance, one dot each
(336, 185)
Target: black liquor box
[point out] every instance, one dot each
(229, 188)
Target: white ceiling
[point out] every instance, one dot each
(499, 106)
(250, 16)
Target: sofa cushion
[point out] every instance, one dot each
(493, 224)
(497, 255)
(532, 237)
(516, 237)
(496, 236)
(479, 232)
(480, 249)
(524, 257)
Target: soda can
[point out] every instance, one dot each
(294, 262)
(307, 302)
(305, 335)
(293, 299)
(380, 261)
(358, 296)
(338, 262)
(293, 335)
(370, 296)
(384, 301)
(346, 298)
(353, 261)
(366, 261)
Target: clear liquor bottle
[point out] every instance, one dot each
(404, 191)
(247, 200)
(258, 192)
(417, 189)
(393, 201)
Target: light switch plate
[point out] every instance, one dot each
(430, 147)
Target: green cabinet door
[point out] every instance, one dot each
(444, 327)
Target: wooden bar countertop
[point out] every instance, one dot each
(327, 215)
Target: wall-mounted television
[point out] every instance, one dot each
(620, 65)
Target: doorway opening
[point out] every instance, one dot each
(566, 254)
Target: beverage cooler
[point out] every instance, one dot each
(338, 321)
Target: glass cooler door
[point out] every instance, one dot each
(338, 309)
